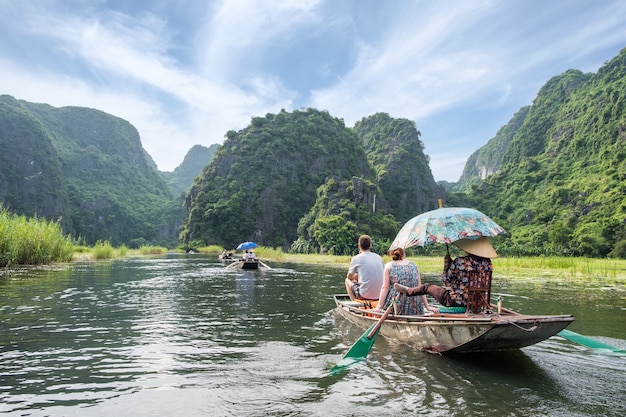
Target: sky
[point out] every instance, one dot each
(186, 72)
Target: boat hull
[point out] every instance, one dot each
(459, 333)
(250, 265)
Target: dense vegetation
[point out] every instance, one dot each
(86, 169)
(31, 241)
(396, 153)
(181, 179)
(561, 189)
(264, 178)
(342, 211)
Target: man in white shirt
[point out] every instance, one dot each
(365, 276)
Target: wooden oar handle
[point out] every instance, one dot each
(380, 322)
(383, 317)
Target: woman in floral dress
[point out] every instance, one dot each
(404, 272)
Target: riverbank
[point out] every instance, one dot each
(541, 267)
(568, 268)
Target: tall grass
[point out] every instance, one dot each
(31, 241)
(102, 250)
(566, 267)
(263, 252)
(152, 250)
(209, 249)
(569, 268)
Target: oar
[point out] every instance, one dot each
(265, 265)
(361, 347)
(587, 341)
(233, 264)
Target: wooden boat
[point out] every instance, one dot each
(458, 333)
(227, 256)
(249, 264)
(228, 259)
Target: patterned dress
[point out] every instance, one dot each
(457, 273)
(405, 275)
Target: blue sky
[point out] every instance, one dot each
(186, 72)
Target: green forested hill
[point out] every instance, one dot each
(561, 188)
(396, 153)
(487, 160)
(181, 179)
(263, 179)
(31, 177)
(304, 177)
(84, 167)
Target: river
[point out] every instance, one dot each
(180, 335)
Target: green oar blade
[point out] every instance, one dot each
(357, 352)
(587, 341)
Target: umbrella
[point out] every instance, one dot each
(445, 225)
(246, 246)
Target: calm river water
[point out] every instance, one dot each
(179, 335)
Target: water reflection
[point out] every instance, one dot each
(181, 335)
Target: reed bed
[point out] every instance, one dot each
(31, 241)
(102, 250)
(152, 250)
(570, 268)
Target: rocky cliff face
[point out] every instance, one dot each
(264, 178)
(181, 179)
(82, 166)
(487, 160)
(396, 153)
(560, 187)
(31, 177)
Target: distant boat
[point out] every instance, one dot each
(227, 257)
(248, 264)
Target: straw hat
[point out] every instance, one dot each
(479, 247)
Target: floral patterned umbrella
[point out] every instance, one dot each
(445, 225)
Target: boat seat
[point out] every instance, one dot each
(451, 310)
(479, 292)
(367, 304)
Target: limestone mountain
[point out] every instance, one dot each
(396, 153)
(181, 179)
(487, 160)
(304, 181)
(31, 176)
(83, 167)
(264, 178)
(561, 184)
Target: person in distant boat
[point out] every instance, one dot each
(404, 272)
(456, 273)
(249, 256)
(365, 275)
